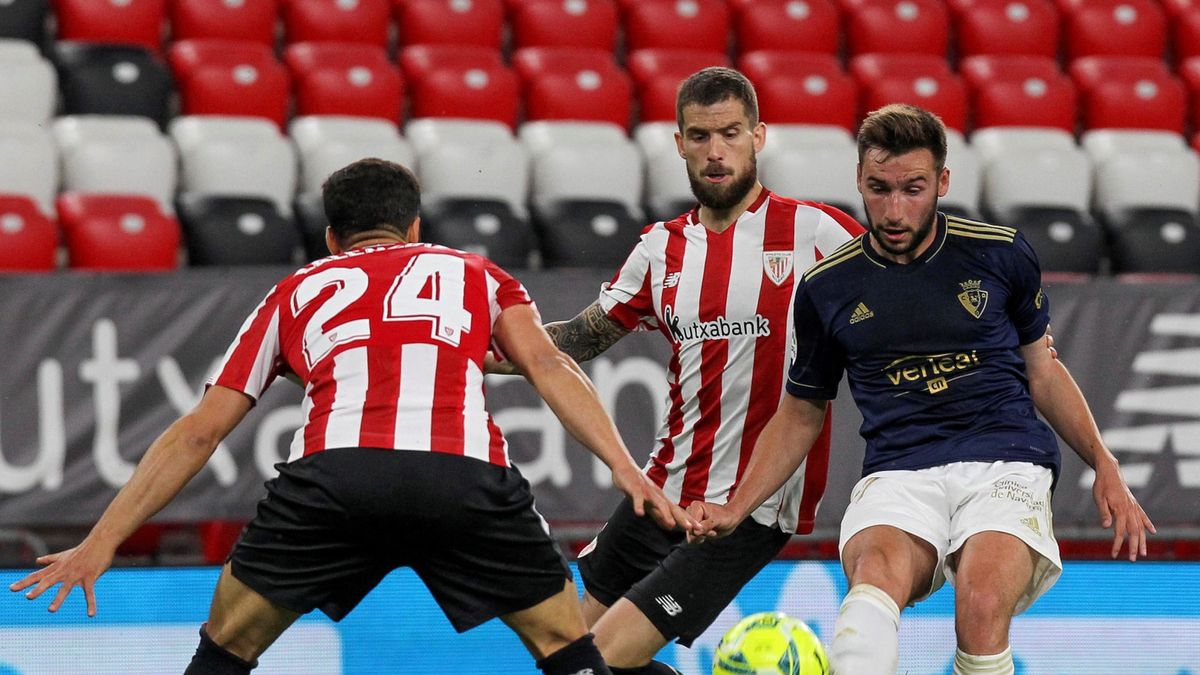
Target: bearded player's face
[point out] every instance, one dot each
(720, 146)
(900, 195)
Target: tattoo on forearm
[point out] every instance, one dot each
(587, 335)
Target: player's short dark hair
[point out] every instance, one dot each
(371, 194)
(900, 128)
(714, 85)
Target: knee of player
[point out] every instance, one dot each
(983, 605)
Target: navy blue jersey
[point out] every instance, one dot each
(931, 347)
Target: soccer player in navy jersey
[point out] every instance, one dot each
(942, 326)
(398, 462)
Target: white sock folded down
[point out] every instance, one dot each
(993, 664)
(866, 636)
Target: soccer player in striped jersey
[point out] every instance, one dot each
(942, 326)
(717, 282)
(397, 463)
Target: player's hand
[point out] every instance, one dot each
(713, 521)
(648, 498)
(79, 566)
(1120, 510)
(492, 366)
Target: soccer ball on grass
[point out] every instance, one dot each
(770, 643)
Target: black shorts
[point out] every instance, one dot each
(333, 524)
(680, 587)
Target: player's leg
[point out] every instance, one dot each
(1004, 556)
(683, 596)
(890, 559)
(241, 625)
(554, 633)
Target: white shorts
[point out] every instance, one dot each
(945, 505)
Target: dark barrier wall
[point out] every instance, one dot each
(96, 366)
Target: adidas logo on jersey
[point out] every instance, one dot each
(861, 313)
(669, 605)
(719, 328)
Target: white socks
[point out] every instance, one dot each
(995, 664)
(866, 636)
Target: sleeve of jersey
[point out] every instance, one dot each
(834, 229)
(817, 360)
(626, 298)
(1028, 306)
(253, 359)
(503, 292)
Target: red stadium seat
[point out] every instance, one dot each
(248, 20)
(1008, 27)
(1129, 92)
(463, 82)
(450, 22)
(28, 239)
(1115, 28)
(1185, 34)
(138, 22)
(1023, 91)
(787, 25)
(898, 26)
(657, 73)
(117, 232)
(919, 79)
(677, 24)
(562, 83)
(336, 78)
(1189, 72)
(336, 21)
(802, 88)
(565, 23)
(225, 77)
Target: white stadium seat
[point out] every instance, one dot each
(1047, 176)
(498, 171)
(72, 130)
(117, 155)
(328, 143)
(28, 162)
(430, 132)
(668, 190)
(994, 140)
(1102, 144)
(28, 86)
(544, 135)
(192, 131)
(966, 176)
(814, 163)
(236, 156)
(12, 49)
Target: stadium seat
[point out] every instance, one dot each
(461, 82)
(787, 25)
(898, 26)
(28, 239)
(993, 27)
(676, 24)
(1129, 92)
(328, 143)
(28, 162)
(111, 79)
(1115, 28)
(586, 192)
(446, 22)
(1189, 73)
(802, 88)
(1104, 144)
(225, 77)
(426, 134)
(129, 22)
(920, 79)
(311, 221)
(117, 233)
(333, 78)
(966, 177)
(1019, 90)
(336, 21)
(243, 20)
(24, 20)
(817, 163)
(565, 83)
(992, 141)
(565, 23)
(231, 157)
(124, 156)
(28, 83)
(221, 230)
(657, 74)
(668, 190)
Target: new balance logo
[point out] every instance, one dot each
(669, 605)
(585, 671)
(861, 313)
(671, 280)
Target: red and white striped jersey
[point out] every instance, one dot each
(724, 300)
(388, 342)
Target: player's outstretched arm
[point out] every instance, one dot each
(781, 447)
(572, 397)
(1060, 401)
(172, 460)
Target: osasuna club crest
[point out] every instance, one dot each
(777, 265)
(973, 298)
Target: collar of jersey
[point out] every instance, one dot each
(935, 248)
(763, 195)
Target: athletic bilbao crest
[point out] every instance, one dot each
(973, 299)
(777, 265)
